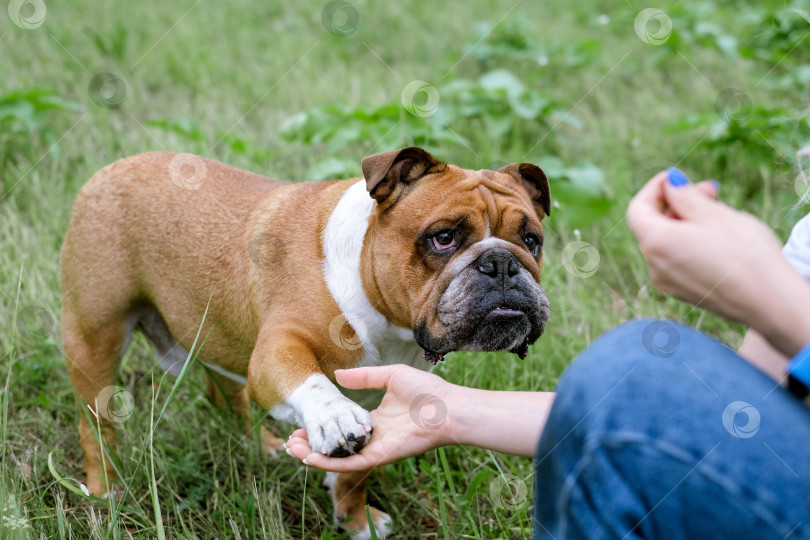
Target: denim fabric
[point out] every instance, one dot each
(659, 431)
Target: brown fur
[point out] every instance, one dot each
(249, 249)
(408, 289)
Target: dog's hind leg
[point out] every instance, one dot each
(92, 360)
(99, 291)
(222, 390)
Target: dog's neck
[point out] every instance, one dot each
(342, 248)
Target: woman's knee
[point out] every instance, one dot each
(641, 361)
(618, 352)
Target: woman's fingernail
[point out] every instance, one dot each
(676, 177)
(716, 184)
(305, 462)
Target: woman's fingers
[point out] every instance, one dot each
(691, 203)
(709, 188)
(298, 447)
(366, 377)
(648, 206)
(357, 462)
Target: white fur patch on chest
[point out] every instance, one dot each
(382, 343)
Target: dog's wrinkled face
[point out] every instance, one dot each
(466, 274)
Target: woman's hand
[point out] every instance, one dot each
(409, 421)
(710, 255)
(421, 412)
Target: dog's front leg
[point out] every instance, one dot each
(348, 492)
(285, 378)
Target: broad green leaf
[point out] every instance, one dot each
(502, 79)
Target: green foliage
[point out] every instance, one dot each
(497, 103)
(776, 37)
(694, 26)
(26, 112)
(579, 193)
(742, 130)
(183, 127)
(516, 42)
(187, 130)
(775, 34)
(498, 100)
(387, 126)
(758, 137)
(503, 104)
(112, 44)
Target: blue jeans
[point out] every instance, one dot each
(659, 431)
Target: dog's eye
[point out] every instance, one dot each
(532, 242)
(443, 240)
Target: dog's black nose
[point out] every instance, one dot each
(498, 263)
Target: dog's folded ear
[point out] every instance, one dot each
(389, 174)
(536, 184)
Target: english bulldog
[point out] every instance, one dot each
(416, 259)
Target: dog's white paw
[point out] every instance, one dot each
(336, 426)
(340, 429)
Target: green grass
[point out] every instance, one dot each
(219, 79)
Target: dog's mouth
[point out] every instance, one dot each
(475, 316)
(433, 357)
(505, 312)
(499, 319)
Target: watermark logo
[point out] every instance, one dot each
(188, 171)
(508, 491)
(741, 419)
(116, 404)
(35, 322)
(107, 90)
(340, 18)
(661, 338)
(348, 332)
(653, 26)
(27, 14)
(420, 98)
(267, 251)
(732, 104)
(580, 259)
(428, 411)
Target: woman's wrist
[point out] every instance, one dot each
(784, 320)
(509, 422)
(458, 410)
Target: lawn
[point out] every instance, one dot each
(600, 94)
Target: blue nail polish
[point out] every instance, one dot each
(676, 177)
(716, 184)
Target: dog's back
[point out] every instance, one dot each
(105, 292)
(107, 242)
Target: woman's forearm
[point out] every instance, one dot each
(509, 422)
